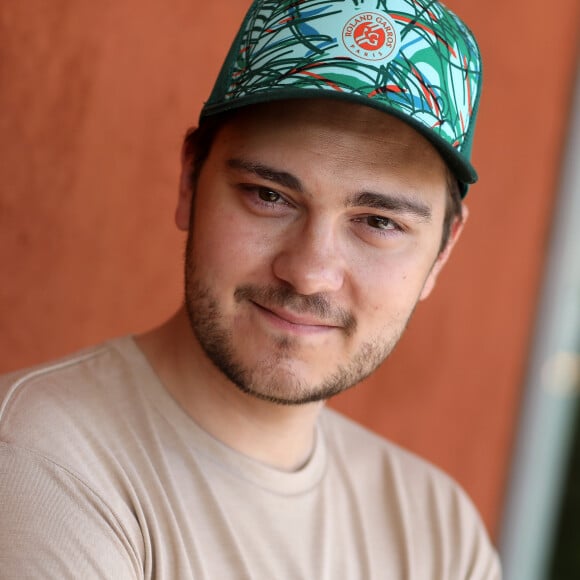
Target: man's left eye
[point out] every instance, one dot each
(268, 195)
(381, 223)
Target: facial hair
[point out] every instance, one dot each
(269, 378)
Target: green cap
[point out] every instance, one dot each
(413, 59)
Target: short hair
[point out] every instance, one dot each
(199, 141)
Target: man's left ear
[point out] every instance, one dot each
(456, 229)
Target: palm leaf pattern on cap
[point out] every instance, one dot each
(434, 78)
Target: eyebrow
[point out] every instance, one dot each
(399, 203)
(268, 173)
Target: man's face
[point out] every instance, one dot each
(315, 231)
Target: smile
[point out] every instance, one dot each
(293, 322)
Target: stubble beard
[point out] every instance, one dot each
(269, 378)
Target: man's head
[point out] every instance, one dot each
(322, 189)
(314, 229)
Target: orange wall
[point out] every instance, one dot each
(94, 100)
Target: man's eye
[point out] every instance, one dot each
(381, 223)
(268, 195)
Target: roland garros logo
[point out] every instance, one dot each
(371, 36)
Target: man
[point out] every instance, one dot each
(321, 193)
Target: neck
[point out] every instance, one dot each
(278, 435)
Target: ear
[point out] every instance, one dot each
(456, 229)
(185, 195)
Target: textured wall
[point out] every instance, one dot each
(94, 100)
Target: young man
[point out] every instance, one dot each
(322, 196)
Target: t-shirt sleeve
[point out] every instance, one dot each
(54, 526)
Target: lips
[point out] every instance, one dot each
(295, 312)
(294, 318)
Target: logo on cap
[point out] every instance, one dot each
(370, 36)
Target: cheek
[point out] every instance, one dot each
(227, 247)
(390, 287)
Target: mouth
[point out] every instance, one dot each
(293, 322)
(287, 311)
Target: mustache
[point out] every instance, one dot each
(284, 297)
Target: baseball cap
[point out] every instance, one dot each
(414, 59)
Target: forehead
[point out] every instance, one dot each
(345, 141)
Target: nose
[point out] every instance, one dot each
(311, 260)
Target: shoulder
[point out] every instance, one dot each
(30, 394)
(360, 447)
(45, 409)
(427, 504)
(386, 464)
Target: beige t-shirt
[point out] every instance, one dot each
(103, 475)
